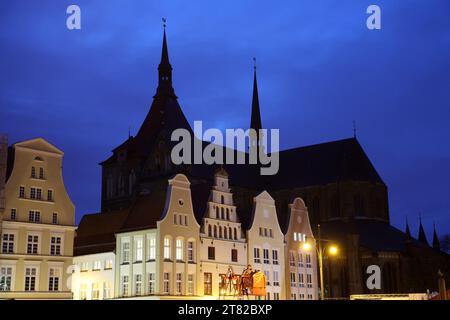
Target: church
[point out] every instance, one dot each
(335, 183)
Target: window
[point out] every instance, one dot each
(34, 216)
(308, 260)
(125, 252)
(265, 232)
(301, 280)
(8, 243)
(32, 245)
(33, 193)
(151, 283)
(190, 284)
(260, 231)
(266, 256)
(53, 279)
(209, 231)
(309, 280)
(108, 264)
(21, 192)
(276, 281)
(138, 284)
(235, 234)
(106, 290)
(166, 248)
(222, 199)
(181, 220)
(207, 285)
(33, 172)
(95, 291)
(175, 219)
(49, 195)
(83, 291)
(310, 296)
(151, 248)
(302, 296)
(55, 218)
(211, 253)
(267, 274)
(190, 251)
(13, 214)
(268, 296)
(30, 278)
(84, 266)
(97, 265)
(215, 231)
(295, 236)
(293, 280)
(55, 246)
(276, 296)
(292, 258)
(222, 214)
(293, 296)
(270, 233)
(125, 286)
(225, 232)
(234, 255)
(185, 220)
(256, 256)
(139, 250)
(220, 232)
(217, 213)
(39, 194)
(228, 214)
(179, 250)
(300, 259)
(178, 286)
(275, 256)
(5, 278)
(41, 173)
(166, 284)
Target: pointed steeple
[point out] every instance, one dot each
(407, 231)
(436, 243)
(256, 114)
(422, 236)
(165, 69)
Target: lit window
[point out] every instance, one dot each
(151, 248)
(138, 248)
(293, 284)
(179, 250)
(106, 290)
(108, 264)
(276, 281)
(300, 259)
(190, 287)
(95, 291)
(295, 236)
(83, 291)
(97, 265)
(8, 243)
(292, 258)
(301, 280)
(309, 280)
(125, 252)
(266, 274)
(308, 260)
(167, 248)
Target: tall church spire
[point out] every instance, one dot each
(256, 114)
(407, 232)
(165, 69)
(436, 243)
(422, 236)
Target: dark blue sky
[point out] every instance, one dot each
(319, 68)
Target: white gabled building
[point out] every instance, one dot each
(222, 242)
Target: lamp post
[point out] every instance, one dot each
(333, 250)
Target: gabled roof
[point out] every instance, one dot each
(39, 144)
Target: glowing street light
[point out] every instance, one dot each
(333, 250)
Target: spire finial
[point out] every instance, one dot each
(164, 20)
(354, 129)
(254, 63)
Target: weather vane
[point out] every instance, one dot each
(164, 20)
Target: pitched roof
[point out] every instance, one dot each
(96, 232)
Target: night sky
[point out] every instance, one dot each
(319, 68)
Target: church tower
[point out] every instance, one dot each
(255, 122)
(141, 160)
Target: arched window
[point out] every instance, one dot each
(215, 231)
(217, 213)
(228, 214)
(167, 248)
(222, 214)
(222, 199)
(220, 232)
(209, 231)
(225, 233)
(230, 233)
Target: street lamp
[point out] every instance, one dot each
(332, 250)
